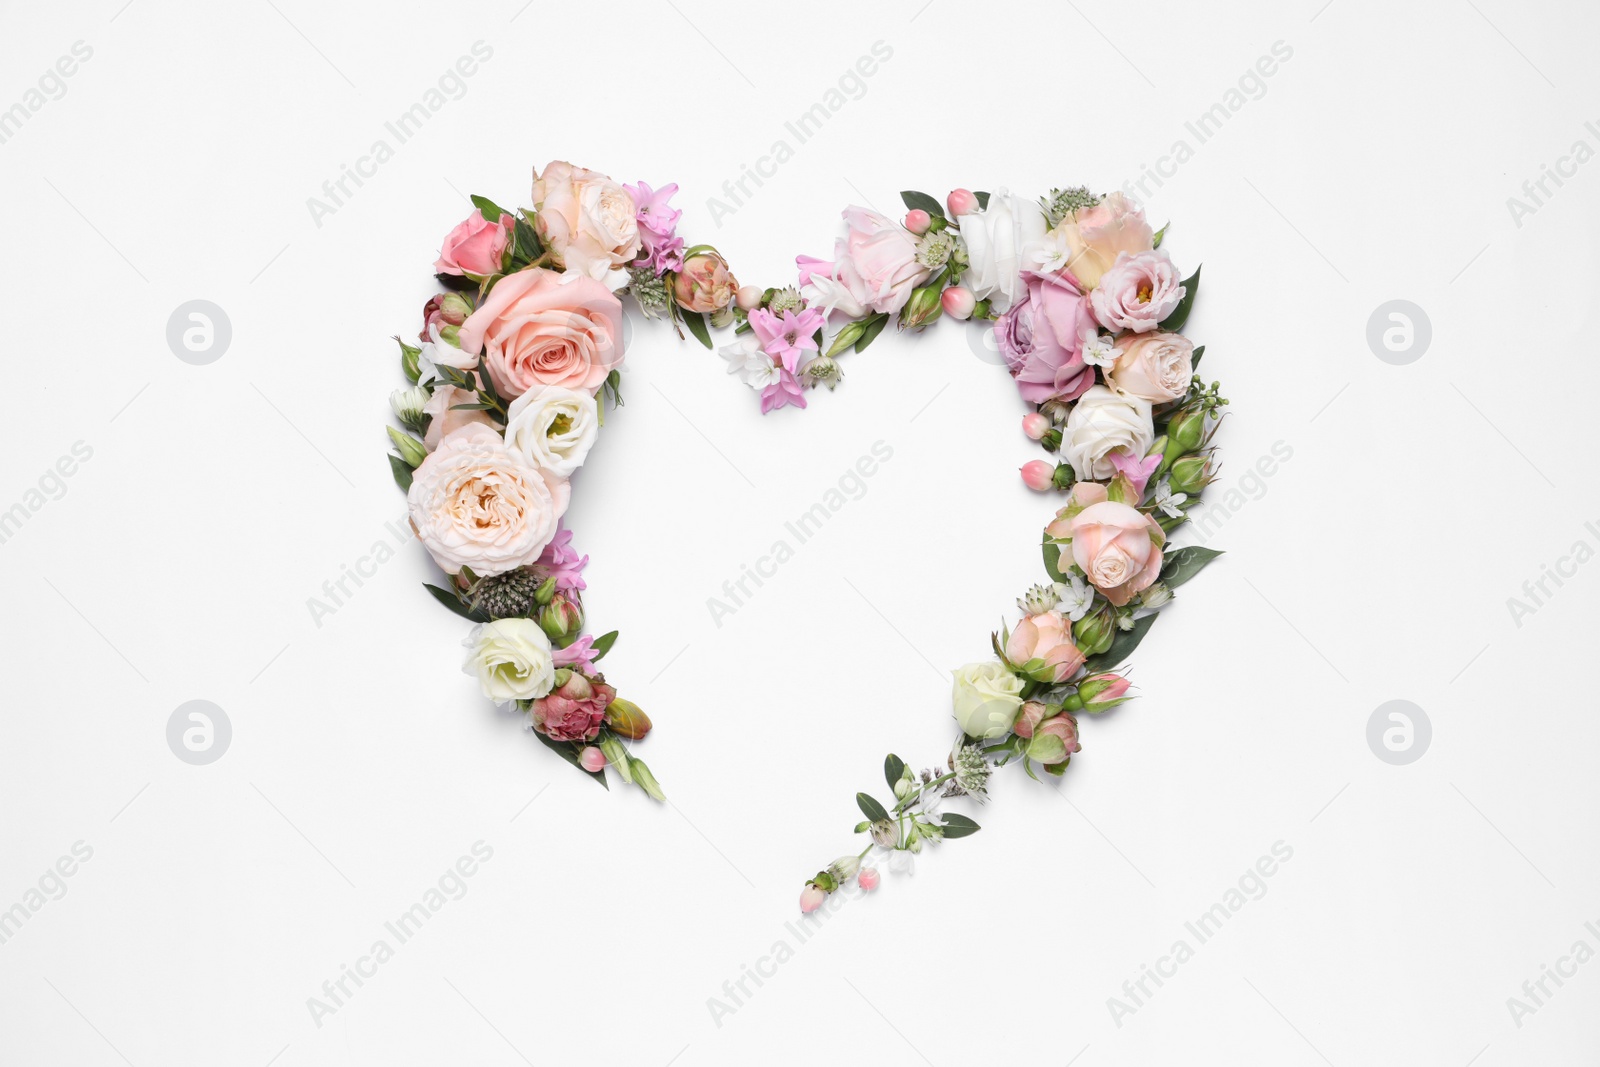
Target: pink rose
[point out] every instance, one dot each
(1097, 235)
(1079, 497)
(574, 709)
(475, 246)
(1041, 338)
(1137, 292)
(537, 327)
(875, 267)
(589, 220)
(1041, 647)
(1118, 548)
(445, 420)
(1154, 366)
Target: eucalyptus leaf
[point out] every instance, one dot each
(915, 200)
(871, 808)
(1180, 314)
(1122, 645)
(1181, 564)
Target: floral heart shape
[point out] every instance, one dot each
(521, 352)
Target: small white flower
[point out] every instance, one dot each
(407, 405)
(1156, 597)
(902, 862)
(746, 359)
(1125, 622)
(1076, 597)
(1051, 254)
(1099, 351)
(1168, 501)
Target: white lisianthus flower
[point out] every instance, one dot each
(553, 427)
(511, 658)
(1001, 240)
(1101, 422)
(986, 697)
(747, 359)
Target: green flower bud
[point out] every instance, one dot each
(616, 755)
(645, 780)
(923, 307)
(409, 354)
(546, 591)
(1094, 632)
(1063, 476)
(411, 450)
(1191, 473)
(1185, 432)
(846, 337)
(1051, 441)
(627, 718)
(561, 619)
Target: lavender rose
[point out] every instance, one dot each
(1041, 338)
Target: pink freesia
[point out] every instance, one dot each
(783, 392)
(787, 338)
(560, 559)
(1041, 647)
(579, 654)
(1118, 548)
(655, 216)
(475, 246)
(1136, 470)
(1041, 338)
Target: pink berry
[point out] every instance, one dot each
(811, 899)
(918, 221)
(592, 759)
(961, 202)
(749, 297)
(958, 302)
(869, 878)
(1035, 425)
(1037, 474)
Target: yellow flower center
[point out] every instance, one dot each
(1144, 294)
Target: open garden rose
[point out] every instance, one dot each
(986, 697)
(537, 327)
(883, 255)
(998, 239)
(447, 419)
(1041, 338)
(553, 427)
(1096, 235)
(476, 503)
(589, 221)
(1137, 292)
(1101, 422)
(475, 246)
(1041, 647)
(574, 709)
(511, 659)
(1118, 548)
(1153, 366)
(704, 284)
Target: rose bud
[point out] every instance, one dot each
(1030, 715)
(591, 759)
(961, 202)
(1055, 740)
(1185, 431)
(811, 898)
(705, 283)
(923, 307)
(626, 719)
(561, 619)
(868, 878)
(1034, 425)
(749, 297)
(1093, 632)
(1191, 474)
(1038, 475)
(918, 221)
(1041, 648)
(1102, 692)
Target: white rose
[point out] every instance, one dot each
(986, 698)
(553, 427)
(1000, 240)
(476, 503)
(1101, 422)
(1153, 366)
(512, 660)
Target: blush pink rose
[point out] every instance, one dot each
(575, 709)
(1118, 548)
(1137, 292)
(1041, 338)
(474, 247)
(875, 267)
(590, 221)
(1041, 647)
(537, 327)
(1097, 235)
(1154, 366)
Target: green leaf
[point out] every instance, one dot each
(870, 332)
(1180, 314)
(959, 825)
(602, 645)
(568, 750)
(402, 472)
(1122, 645)
(491, 210)
(927, 203)
(1194, 361)
(893, 768)
(1058, 769)
(472, 407)
(453, 602)
(527, 242)
(983, 200)
(871, 808)
(1052, 560)
(697, 326)
(1160, 235)
(1184, 563)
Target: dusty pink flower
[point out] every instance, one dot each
(589, 220)
(579, 654)
(787, 338)
(1065, 727)
(475, 246)
(1136, 469)
(1029, 716)
(574, 709)
(1137, 292)
(1041, 647)
(704, 283)
(1041, 338)
(562, 560)
(1118, 548)
(874, 268)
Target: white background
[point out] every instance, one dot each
(1376, 564)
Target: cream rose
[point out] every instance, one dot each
(537, 327)
(589, 220)
(1155, 367)
(998, 241)
(1094, 236)
(512, 660)
(986, 697)
(553, 427)
(476, 503)
(1101, 422)
(446, 420)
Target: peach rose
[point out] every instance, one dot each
(537, 327)
(589, 220)
(1096, 234)
(476, 503)
(1041, 647)
(445, 420)
(1118, 548)
(704, 284)
(1153, 366)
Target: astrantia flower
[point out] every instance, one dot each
(1063, 202)
(407, 405)
(1038, 599)
(934, 249)
(786, 299)
(508, 595)
(1156, 597)
(971, 772)
(787, 338)
(822, 370)
(750, 362)
(1098, 350)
